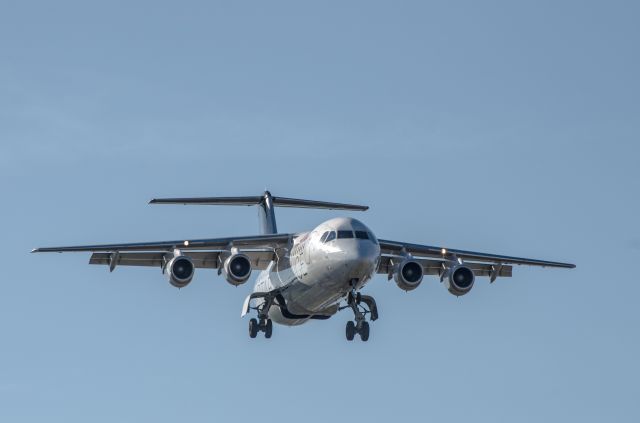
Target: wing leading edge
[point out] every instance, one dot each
(258, 241)
(393, 247)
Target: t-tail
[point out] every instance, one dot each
(266, 203)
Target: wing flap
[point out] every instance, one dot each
(201, 260)
(433, 267)
(482, 269)
(129, 259)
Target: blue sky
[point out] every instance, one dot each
(506, 127)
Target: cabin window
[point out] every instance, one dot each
(345, 234)
(362, 235)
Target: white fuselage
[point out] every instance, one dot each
(320, 269)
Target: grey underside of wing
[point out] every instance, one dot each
(259, 241)
(434, 267)
(201, 259)
(431, 252)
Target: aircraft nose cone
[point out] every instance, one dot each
(362, 255)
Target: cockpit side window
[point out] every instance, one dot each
(345, 234)
(362, 235)
(331, 236)
(324, 236)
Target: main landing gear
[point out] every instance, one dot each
(265, 325)
(262, 323)
(360, 326)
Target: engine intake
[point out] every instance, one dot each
(237, 269)
(180, 271)
(409, 275)
(460, 280)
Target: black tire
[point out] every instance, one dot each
(253, 328)
(268, 330)
(350, 331)
(364, 332)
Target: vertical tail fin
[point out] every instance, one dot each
(267, 215)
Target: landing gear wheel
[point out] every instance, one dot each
(362, 306)
(253, 328)
(268, 329)
(351, 330)
(364, 332)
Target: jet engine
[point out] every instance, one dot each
(237, 269)
(409, 274)
(180, 271)
(459, 280)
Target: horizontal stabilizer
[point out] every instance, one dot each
(312, 204)
(221, 201)
(266, 203)
(255, 200)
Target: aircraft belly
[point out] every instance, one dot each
(303, 299)
(312, 289)
(276, 315)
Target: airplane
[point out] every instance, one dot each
(306, 276)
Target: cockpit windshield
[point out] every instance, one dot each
(362, 235)
(328, 236)
(345, 234)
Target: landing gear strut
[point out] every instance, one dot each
(360, 326)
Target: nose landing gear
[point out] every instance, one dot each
(355, 301)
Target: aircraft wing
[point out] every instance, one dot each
(441, 254)
(204, 253)
(260, 259)
(434, 267)
(258, 241)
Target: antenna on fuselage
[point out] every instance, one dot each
(267, 204)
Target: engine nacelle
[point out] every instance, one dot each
(409, 275)
(180, 271)
(459, 280)
(237, 269)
